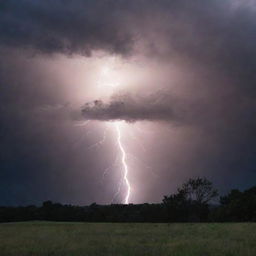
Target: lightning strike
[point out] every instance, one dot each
(109, 79)
(83, 123)
(99, 143)
(106, 170)
(120, 183)
(125, 167)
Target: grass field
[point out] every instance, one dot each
(93, 239)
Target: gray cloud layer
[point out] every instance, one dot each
(156, 107)
(68, 27)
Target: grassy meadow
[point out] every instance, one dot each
(93, 239)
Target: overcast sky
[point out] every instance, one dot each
(178, 77)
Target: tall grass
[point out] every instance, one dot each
(95, 239)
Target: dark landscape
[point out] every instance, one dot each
(192, 203)
(133, 239)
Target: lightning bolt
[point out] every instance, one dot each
(99, 143)
(105, 79)
(125, 167)
(124, 179)
(106, 170)
(120, 183)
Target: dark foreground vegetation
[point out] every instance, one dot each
(191, 203)
(127, 239)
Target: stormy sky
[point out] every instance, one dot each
(178, 77)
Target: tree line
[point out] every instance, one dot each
(195, 201)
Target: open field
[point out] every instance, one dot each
(86, 239)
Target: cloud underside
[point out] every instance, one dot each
(130, 109)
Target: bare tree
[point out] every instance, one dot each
(199, 190)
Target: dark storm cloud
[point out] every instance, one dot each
(157, 107)
(209, 32)
(68, 27)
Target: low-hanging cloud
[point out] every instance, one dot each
(131, 108)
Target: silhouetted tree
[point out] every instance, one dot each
(191, 201)
(176, 207)
(237, 206)
(199, 190)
